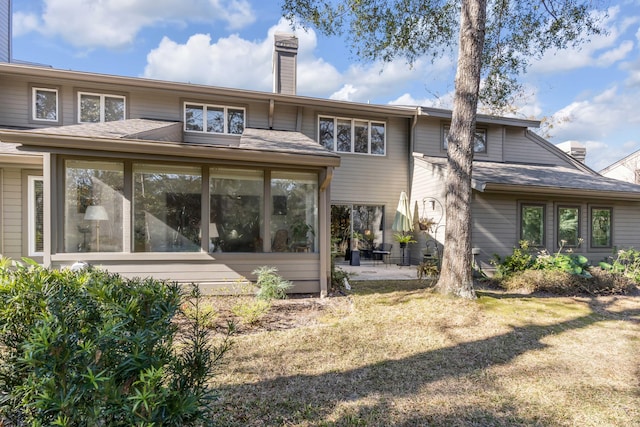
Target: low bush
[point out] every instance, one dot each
(270, 284)
(89, 348)
(558, 282)
(252, 311)
(567, 273)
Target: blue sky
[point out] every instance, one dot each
(590, 95)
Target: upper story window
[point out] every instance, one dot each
(95, 107)
(45, 104)
(479, 143)
(213, 118)
(352, 135)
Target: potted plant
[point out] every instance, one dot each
(426, 224)
(403, 239)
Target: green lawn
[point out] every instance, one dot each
(396, 354)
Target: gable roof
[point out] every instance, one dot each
(542, 179)
(158, 137)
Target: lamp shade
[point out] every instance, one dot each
(96, 213)
(213, 231)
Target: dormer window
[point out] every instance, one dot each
(479, 143)
(213, 118)
(97, 108)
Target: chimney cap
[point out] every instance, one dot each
(286, 41)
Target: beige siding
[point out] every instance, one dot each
(520, 147)
(217, 275)
(496, 227)
(427, 184)
(12, 215)
(429, 135)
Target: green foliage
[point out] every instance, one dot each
(252, 311)
(404, 238)
(625, 263)
(90, 348)
(428, 270)
(412, 30)
(271, 285)
(338, 277)
(569, 263)
(521, 259)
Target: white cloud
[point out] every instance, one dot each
(606, 123)
(600, 51)
(24, 23)
(236, 62)
(115, 23)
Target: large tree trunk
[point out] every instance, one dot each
(456, 277)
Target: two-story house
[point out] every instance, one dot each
(204, 184)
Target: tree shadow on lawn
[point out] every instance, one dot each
(312, 399)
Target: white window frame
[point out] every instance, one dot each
(353, 121)
(225, 109)
(102, 104)
(31, 208)
(34, 98)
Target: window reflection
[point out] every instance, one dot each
(167, 208)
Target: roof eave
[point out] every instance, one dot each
(488, 187)
(137, 146)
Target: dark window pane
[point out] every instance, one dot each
(568, 229)
(113, 109)
(193, 118)
(326, 133)
(215, 119)
(532, 224)
(377, 138)
(344, 135)
(236, 121)
(361, 143)
(601, 227)
(89, 108)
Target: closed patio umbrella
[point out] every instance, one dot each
(402, 221)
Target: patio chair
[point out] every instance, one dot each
(380, 252)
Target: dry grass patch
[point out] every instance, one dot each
(398, 354)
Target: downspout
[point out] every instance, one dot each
(272, 104)
(412, 145)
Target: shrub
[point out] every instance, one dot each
(560, 282)
(92, 348)
(270, 284)
(251, 312)
(626, 263)
(520, 260)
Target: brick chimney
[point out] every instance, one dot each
(5, 30)
(285, 55)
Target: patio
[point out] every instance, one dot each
(367, 270)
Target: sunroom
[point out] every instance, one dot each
(131, 197)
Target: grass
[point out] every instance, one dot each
(397, 354)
